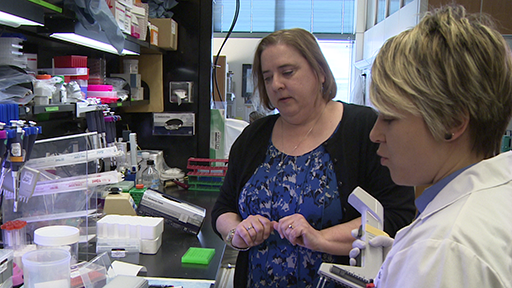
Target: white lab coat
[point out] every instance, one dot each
(464, 236)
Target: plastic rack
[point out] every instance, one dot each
(206, 174)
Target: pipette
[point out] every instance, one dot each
(3, 151)
(16, 158)
(30, 138)
(372, 217)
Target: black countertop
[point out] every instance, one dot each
(167, 261)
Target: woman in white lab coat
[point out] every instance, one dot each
(443, 90)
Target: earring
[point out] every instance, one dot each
(448, 136)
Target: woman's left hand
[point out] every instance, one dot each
(298, 231)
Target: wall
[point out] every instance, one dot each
(500, 10)
(238, 51)
(374, 37)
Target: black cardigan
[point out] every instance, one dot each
(355, 163)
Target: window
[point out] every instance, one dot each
(339, 56)
(332, 22)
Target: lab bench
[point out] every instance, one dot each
(166, 263)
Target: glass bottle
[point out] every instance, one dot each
(151, 176)
(141, 166)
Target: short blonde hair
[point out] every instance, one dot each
(308, 47)
(450, 66)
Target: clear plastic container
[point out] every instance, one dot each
(151, 176)
(47, 268)
(58, 236)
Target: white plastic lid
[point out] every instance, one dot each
(56, 235)
(172, 173)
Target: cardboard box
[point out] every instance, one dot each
(167, 32)
(153, 34)
(151, 69)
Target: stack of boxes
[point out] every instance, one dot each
(131, 16)
(121, 231)
(132, 77)
(74, 67)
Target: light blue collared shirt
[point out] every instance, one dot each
(431, 192)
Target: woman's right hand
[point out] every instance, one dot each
(252, 231)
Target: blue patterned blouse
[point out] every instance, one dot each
(284, 185)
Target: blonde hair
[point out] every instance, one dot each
(450, 66)
(308, 47)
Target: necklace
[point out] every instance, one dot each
(301, 140)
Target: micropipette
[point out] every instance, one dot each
(372, 217)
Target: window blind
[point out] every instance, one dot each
(264, 16)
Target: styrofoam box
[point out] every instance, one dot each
(125, 226)
(144, 246)
(150, 246)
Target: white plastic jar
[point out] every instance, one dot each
(58, 236)
(43, 89)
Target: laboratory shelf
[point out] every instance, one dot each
(74, 108)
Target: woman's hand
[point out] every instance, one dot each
(252, 231)
(298, 231)
(335, 240)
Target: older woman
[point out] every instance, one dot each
(284, 198)
(444, 92)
